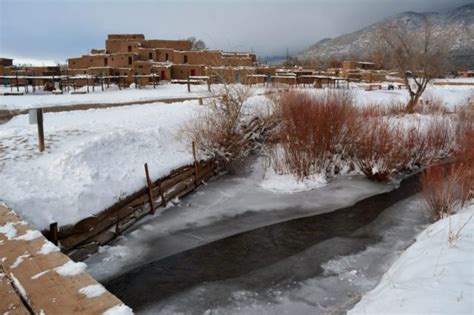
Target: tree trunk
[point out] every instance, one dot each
(414, 98)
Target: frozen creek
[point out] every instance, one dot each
(233, 247)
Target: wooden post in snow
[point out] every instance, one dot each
(39, 121)
(53, 233)
(200, 101)
(195, 165)
(150, 195)
(17, 83)
(209, 84)
(189, 85)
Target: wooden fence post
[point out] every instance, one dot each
(150, 195)
(53, 233)
(189, 85)
(209, 84)
(195, 165)
(200, 101)
(39, 118)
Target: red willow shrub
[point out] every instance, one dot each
(448, 187)
(375, 149)
(319, 132)
(313, 128)
(383, 148)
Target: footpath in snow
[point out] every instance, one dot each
(433, 276)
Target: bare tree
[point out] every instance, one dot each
(416, 54)
(198, 44)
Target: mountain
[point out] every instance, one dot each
(457, 26)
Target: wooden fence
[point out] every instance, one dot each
(84, 238)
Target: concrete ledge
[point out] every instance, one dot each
(29, 265)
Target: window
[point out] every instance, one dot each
(166, 57)
(106, 62)
(130, 60)
(150, 56)
(185, 59)
(129, 48)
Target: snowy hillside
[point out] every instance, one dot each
(456, 25)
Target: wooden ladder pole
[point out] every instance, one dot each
(150, 195)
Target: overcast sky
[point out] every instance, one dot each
(58, 29)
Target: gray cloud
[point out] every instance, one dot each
(57, 29)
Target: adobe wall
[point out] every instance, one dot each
(173, 44)
(182, 71)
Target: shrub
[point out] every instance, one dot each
(440, 189)
(384, 147)
(446, 188)
(218, 132)
(313, 128)
(376, 149)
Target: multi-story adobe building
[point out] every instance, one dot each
(131, 55)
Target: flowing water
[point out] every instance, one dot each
(308, 265)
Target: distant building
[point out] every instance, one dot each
(131, 54)
(6, 62)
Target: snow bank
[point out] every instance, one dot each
(434, 275)
(92, 159)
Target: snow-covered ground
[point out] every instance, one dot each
(92, 158)
(95, 157)
(110, 95)
(451, 95)
(433, 276)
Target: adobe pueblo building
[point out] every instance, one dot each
(129, 58)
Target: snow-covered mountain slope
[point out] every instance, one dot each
(457, 26)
